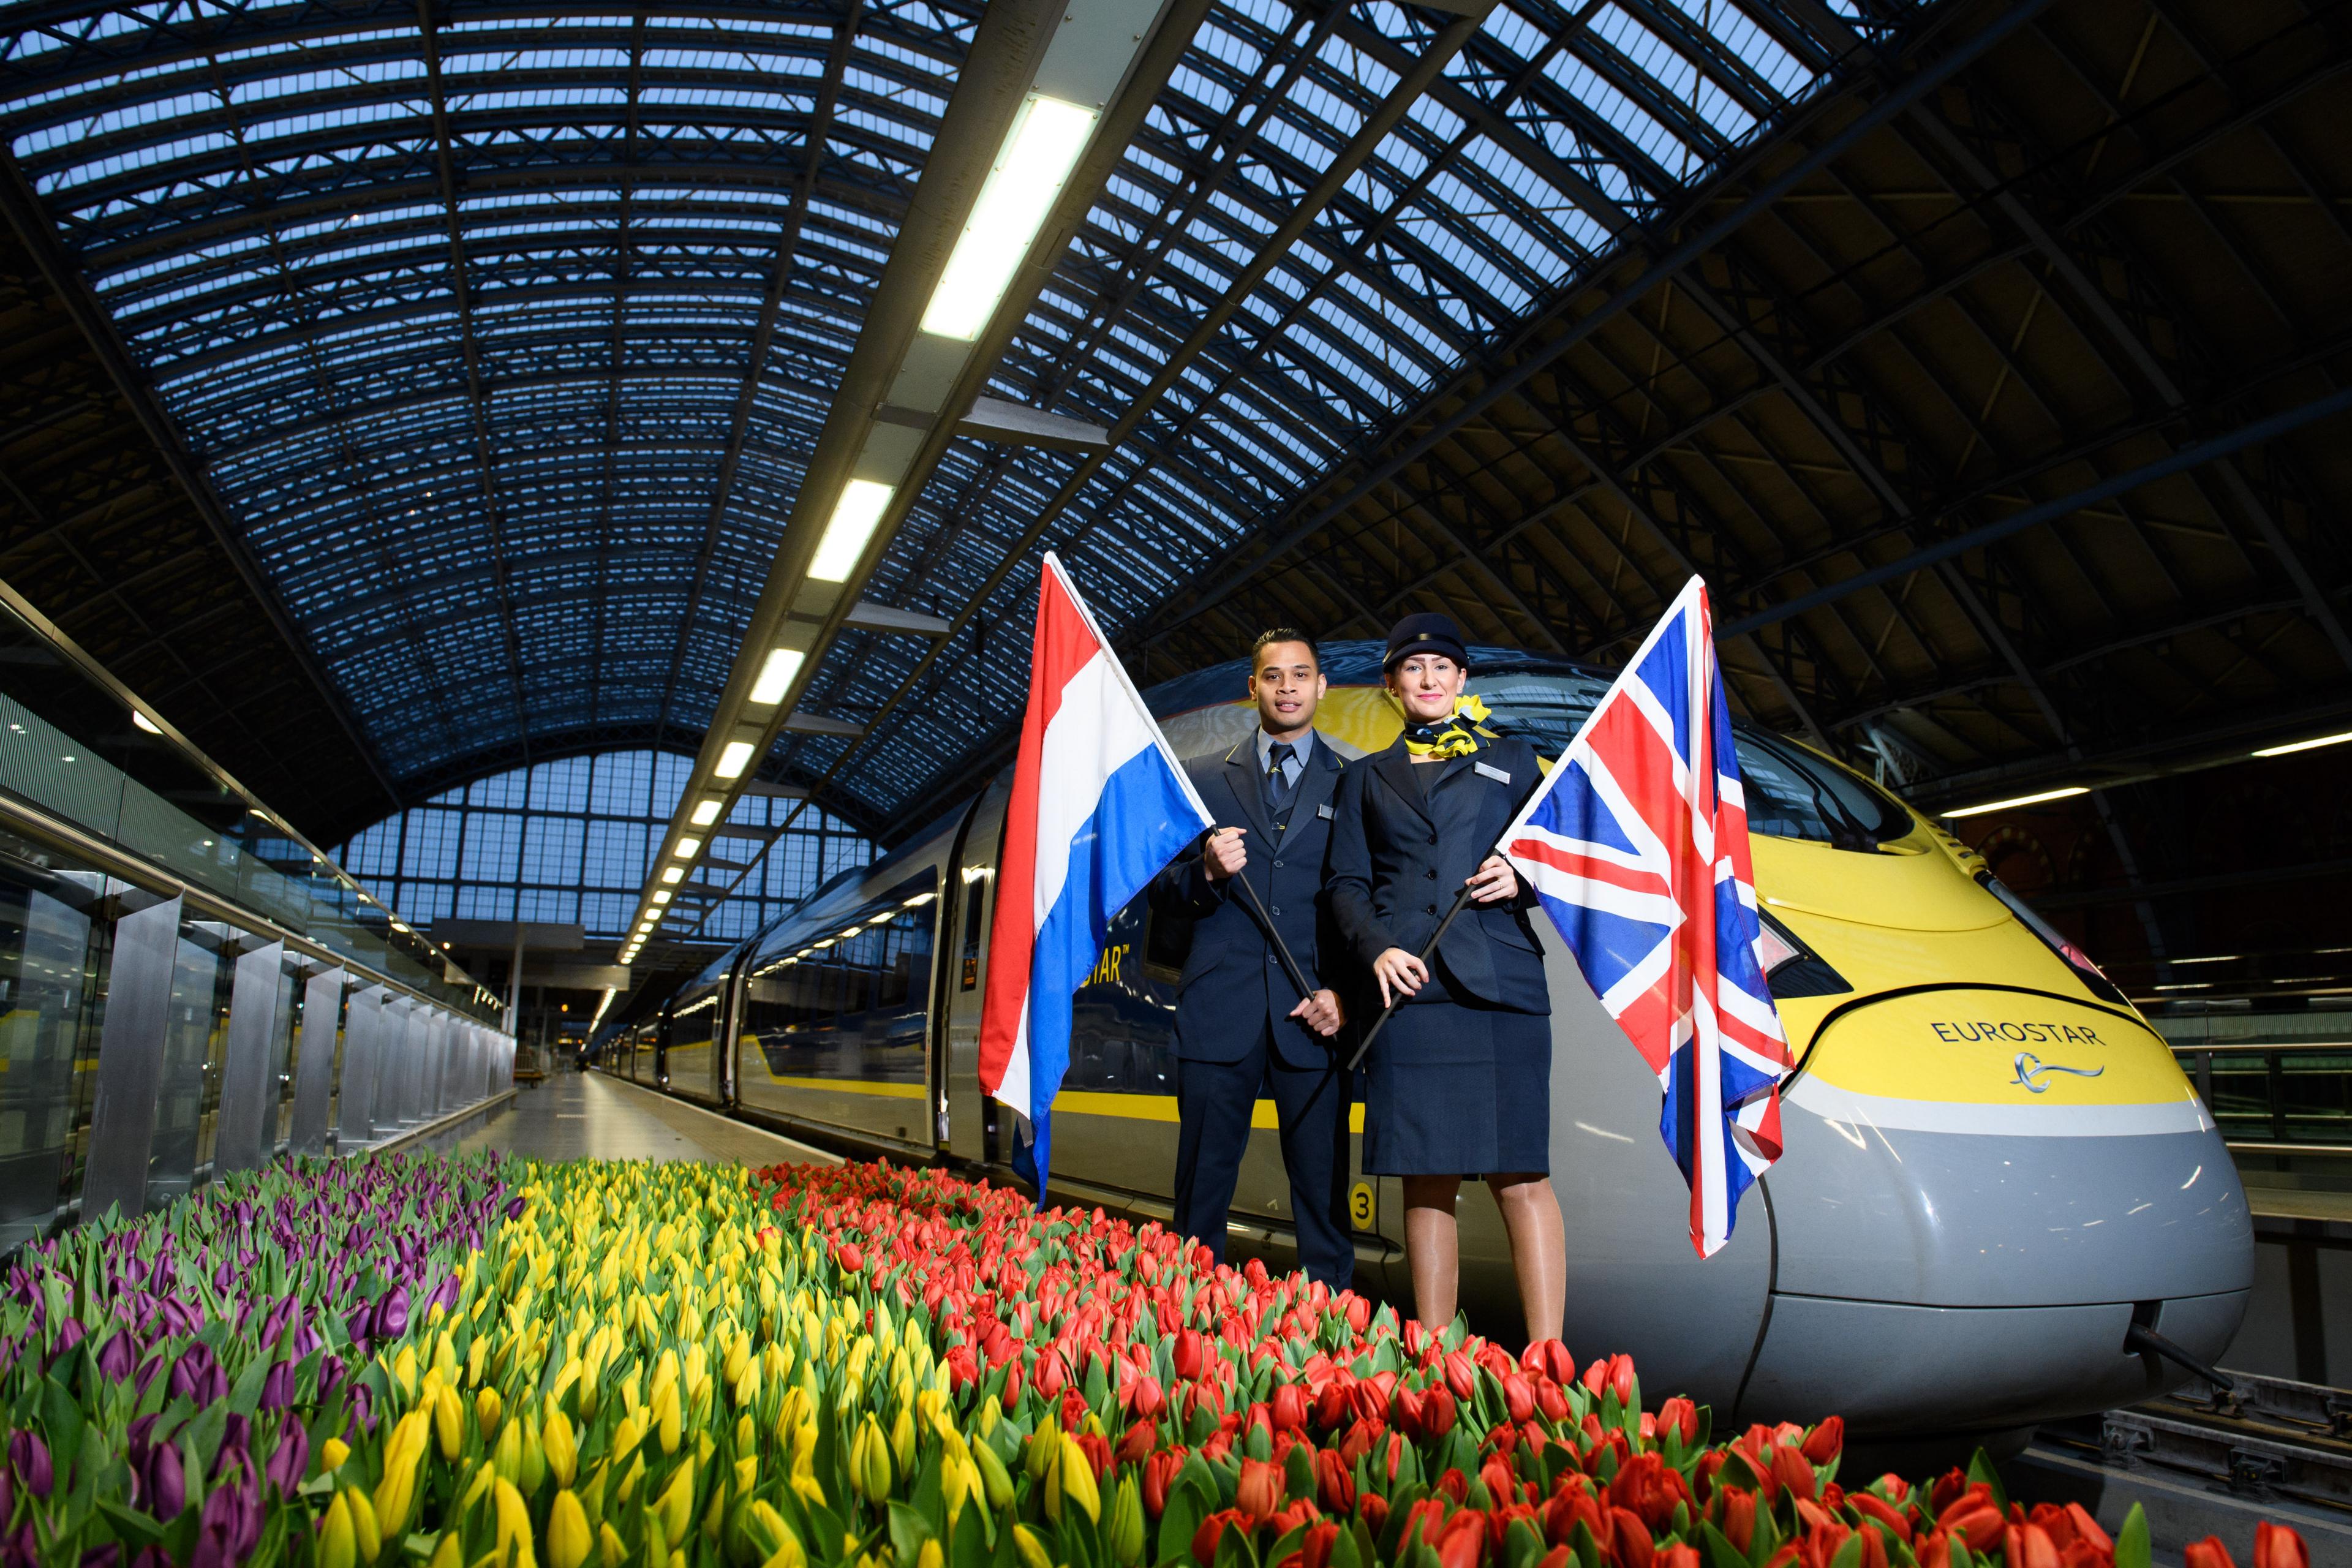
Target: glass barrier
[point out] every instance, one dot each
(73, 748)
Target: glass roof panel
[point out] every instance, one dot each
(476, 433)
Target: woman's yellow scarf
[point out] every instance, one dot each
(1459, 737)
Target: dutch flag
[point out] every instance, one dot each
(1099, 807)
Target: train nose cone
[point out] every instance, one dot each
(1982, 1190)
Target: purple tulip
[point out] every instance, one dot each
(22, 1550)
(291, 1462)
(236, 1444)
(278, 1386)
(166, 1482)
(117, 1358)
(69, 1333)
(330, 1378)
(151, 1557)
(107, 1556)
(7, 1494)
(29, 1458)
(514, 1209)
(391, 1313)
(197, 1375)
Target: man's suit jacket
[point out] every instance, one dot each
(1232, 981)
(1398, 859)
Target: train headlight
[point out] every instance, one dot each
(1790, 968)
(2090, 973)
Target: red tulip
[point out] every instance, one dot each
(1454, 1487)
(2086, 1529)
(1620, 1378)
(1501, 1482)
(1518, 1397)
(1189, 1354)
(1550, 1358)
(2029, 1546)
(1556, 1558)
(1947, 1489)
(1680, 1416)
(1359, 1313)
(1649, 1487)
(1259, 1492)
(2207, 1553)
(1374, 1511)
(1873, 1508)
(1681, 1554)
(1936, 1551)
(849, 1256)
(1049, 1375)
(1461, 1376)
(1735, 1515)
(1315, 1551)
(1794, 1473)
(1462, 1543)
(1212, 1529)
(1596, 1376)
(1975, 1520)
(1630, 1541)
(1822, 1444)
(2275, 1546)
(1136, 1444)
(1335, 1483)
(1551, 1401)
(1160, 1472)
(1289, 1408)
(1436, 1413)
(1146, 1398)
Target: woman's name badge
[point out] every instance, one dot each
(1325, 811)
(1497, 775)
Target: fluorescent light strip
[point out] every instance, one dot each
(2067, 794)
(783, 663)
(1039, 152)
(673, 873)
(705, 813)
(732, 758)
(855, 517)
(2311, 746)
(687, 848)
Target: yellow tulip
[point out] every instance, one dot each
(1078, 1480)
(869, 1462)
(929, 1556)
(568, 1537)
(609, 1552)
(338, 1545)
(489, 1409)
(1123, 1538)
(514, 1527)
(480, 1348)
(448, 1421)
(992, 1477)
(626, 1435)
(397, 1491)
(507, 1455)
(747, 1474)
(533, 1468)
(332, 1455)
(675, 1507)
(902, 1441)
(366, 1534)
(449, 1553)
(563, 1453)
(404, 1371)
(668, 1418)
(1031, 1550)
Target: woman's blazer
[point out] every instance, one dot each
(1397, 859)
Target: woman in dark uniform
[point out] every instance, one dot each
(1459, 1081)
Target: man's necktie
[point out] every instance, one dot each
(1279, 787)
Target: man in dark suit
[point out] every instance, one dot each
(1242, 1026)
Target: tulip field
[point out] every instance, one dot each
(456, 1362)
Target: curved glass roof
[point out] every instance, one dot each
(505, 340)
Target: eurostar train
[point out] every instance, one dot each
(1994, 1171)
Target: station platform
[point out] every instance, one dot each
(572, 1115)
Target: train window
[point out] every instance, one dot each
(857, 1007)
(975, 904)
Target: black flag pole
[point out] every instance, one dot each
(1427, 948)
(1265, 922)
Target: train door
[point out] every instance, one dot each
(973, 1132)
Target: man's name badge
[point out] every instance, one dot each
(1497, 775)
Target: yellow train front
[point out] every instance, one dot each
(1993, 1168)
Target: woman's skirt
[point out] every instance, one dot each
(1458, 1087)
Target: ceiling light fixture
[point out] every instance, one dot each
(733, 758)
(707, 812)
(142, 722)
(687, 848)
(1039, 152)
(2312, 745)
(661, 897)
(673, 873)
(2067, 793)
(855, 516)
(783, 663)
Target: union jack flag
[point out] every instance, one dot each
(1638, 847)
